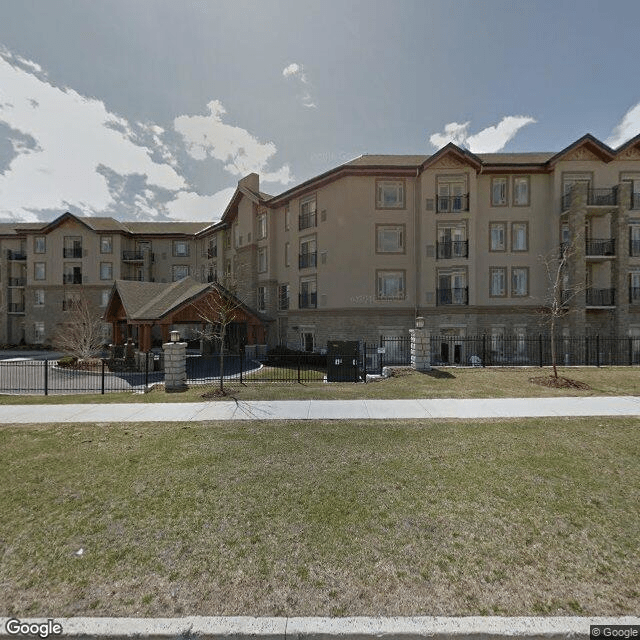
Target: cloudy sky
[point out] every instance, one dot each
(154, 109)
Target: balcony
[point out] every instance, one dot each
(136, 277)
(307, 300)
(452, 204)
(132, 256)
(17, 282)
(452, 249)
(15, 307)
(600, 297)
(212, 252)
(458, 296)
(72, 252)
(634, 248)
(307, 220)
(308, 260)
(16, 255)
(600, 247)
(634, 295)
(602, 197)
(72, 278)
(212, 277)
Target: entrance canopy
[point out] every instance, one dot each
(140, 309)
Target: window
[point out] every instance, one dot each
(390, 194)
(262, 226)
(212, 250)
(498, 192)
(38, 298)
(106, 271)
(104, 297)
(308, 257)
(519, 281)
(452, 242)
(308, 214)
(227, 269)
(283, 297)
(390, 239)
(287, 249)
(38, 332)
(287, 218)
(40, 271)
(227, 239)
(565, 234)
(521, 191)
(179, 271)
(106, 244)
(72, 247)
(40, 244)
(451, 194)
(497, 282)
(262, 298)
(262, 259)
(519, 236)
(634, 239)
(390, 285)
(452, 287)
(308, 298)
(497, 233)
(72, 274)
(180, 248)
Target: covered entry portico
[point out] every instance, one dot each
(146, 312)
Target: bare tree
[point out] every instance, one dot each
(217, 310)
(81, 334)
(559, 292)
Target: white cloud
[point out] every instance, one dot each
(295, 70)
(207, 136)
(626, 129)
(191, 206)
(76, 139)
(487, 140)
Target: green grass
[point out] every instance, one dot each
(516, 517)
(438, 383)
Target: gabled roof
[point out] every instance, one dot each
(464, 155)
(600, 149)
(628, 144)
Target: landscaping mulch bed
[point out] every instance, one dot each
(559, 382)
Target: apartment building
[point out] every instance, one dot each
(360, 251)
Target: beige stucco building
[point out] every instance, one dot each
(362, 250)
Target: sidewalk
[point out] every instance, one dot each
(323, 410)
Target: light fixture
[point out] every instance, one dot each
(175, 336)
(419, 322)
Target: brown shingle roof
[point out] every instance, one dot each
(377, 160)
(165, 227)
(535, 157)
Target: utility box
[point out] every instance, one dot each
(342, 361)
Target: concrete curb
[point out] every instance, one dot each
(355, 628)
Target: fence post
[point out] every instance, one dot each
(365, 360)
(484, 350)
(597, 349)
(46, 377)
(241, 361)
(630, 352)
(540, 347)
(381, 355)
(298, 358)
(102, 385)
(146, 371)
(586, 350)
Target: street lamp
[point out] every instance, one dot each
(419, 322)
(175, 336)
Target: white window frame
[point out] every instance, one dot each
(390, 194)
(498, 246)
(104, 297)
(40, 267)
(499, 191)
(497, 282)
(385, 284)
(106, 271)
(174, 271)
(36, 241)
(262, 226)
(38, 332)
(261, 298)
(106, 247)
(390, 231)
(176, 245)
(525, 236)
(519, 275)
(38, 298)
(521, 191)
(263, 260)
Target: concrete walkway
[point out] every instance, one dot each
(322, 410)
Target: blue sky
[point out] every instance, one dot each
(154, 109)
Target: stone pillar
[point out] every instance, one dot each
(420, 349)
(175, 366)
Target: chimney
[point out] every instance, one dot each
(252, 181)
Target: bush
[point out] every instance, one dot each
(68, 362)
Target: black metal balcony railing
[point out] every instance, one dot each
(600, 247)
(308, 260)
(72, 252)
(635, 200)
(307, 300)
(452, 249)
(634, 295)
(16, 255)
(602, 197)
(16, 307)
(17, 282)
(132, 256)
(307, 220)
(212, 252)
(601, 297)
(634, 247)
(136, 277)
(452, 204)
(72, 278)
(452, 296)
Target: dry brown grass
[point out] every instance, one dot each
(482, 517)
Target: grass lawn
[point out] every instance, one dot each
(438, 383)
(520, 517)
